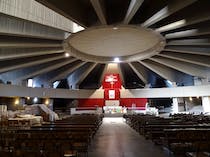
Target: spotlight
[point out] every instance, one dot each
(17, 101)
(47, 102)
(35, 100)
(67, 55)
(117, 60)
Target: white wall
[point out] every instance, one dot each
(206, 104)
(20, 91)
(175, 106)
(193, 91)
(186, 91)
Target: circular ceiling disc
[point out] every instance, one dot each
(104, 43)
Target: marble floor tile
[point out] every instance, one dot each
(116, 139)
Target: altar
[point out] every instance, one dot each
(113, 106)
(114, 109)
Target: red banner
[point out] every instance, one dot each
(90, 102)
(112, 81)
(111, 94)
(138, 103)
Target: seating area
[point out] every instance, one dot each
(67, 137)
(182, 134)
(104, 78)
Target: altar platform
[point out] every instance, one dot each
(113, 114)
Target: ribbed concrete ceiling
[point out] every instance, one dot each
(104, 43)
(182, 24)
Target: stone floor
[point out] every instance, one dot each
(116, 139)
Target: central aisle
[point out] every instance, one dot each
(116, 139)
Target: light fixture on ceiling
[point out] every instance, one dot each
(35, 100)
(116, 60)
(47, 102)
(67, 55)
(17, 101)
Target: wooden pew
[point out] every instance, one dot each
(189, 139)
(59, 138)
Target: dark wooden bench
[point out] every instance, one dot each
(187, 140)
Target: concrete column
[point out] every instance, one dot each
(147, 85)
(174, 84)
(175, 102)
(175, 106)
(206, 104)
(199, 81)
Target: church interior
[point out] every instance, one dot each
(101, 78)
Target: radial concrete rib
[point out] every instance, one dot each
(161, 70)
(47, 69)
(24, 55)
(199, 17)
(189, 42)
(188, 68)
(121, 75)
(188, 33)
(35, 12)
(85, 74)
(132, 9)
(194, 59)
(18, 27)
(187, 52)
(172, 7)
(64, 74)
(99, 7)
(68, 11)
(23, 65)
(103, 73)
(27, 45)
(142, 70)
(138, 73)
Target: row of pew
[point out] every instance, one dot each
(68, 137)
(183, 135)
